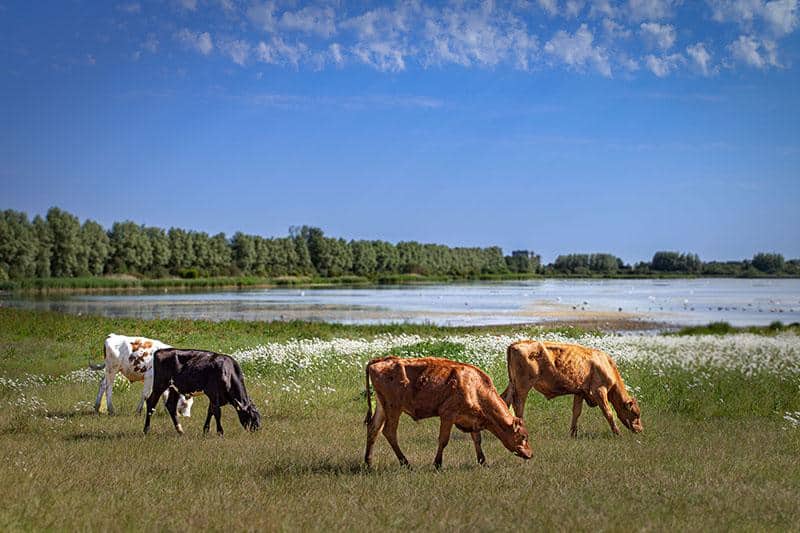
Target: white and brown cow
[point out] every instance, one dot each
(133, 358)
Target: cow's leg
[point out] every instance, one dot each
(146, 390)
(444, 437)
(374, 427)
(577, 404)
(100, 391)
(111, 374)
(172, 406)
(476, 439)
(520, 395)
(207, 425)
(602, 401)
(218, 418)
(152, 402)
(390, 432)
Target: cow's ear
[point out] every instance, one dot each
(629, 403)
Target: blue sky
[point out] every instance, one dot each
(554, 125)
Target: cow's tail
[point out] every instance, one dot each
(102, 365)
(368, 418)
(508, 394)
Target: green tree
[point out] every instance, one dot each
(182, 248)
(160, 246)
(221, 257)
(770, 263)
(17, 245)
(386, 256)
(96, 248)
(244, 252)
(44, 247)
(65, 230)
(365, 260)
(130, 248)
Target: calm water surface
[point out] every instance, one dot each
(740, 302)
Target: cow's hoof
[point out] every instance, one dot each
(179, 429)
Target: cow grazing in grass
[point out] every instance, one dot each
(459, 394)
(189, 372)
(133, 358)
(555, 369)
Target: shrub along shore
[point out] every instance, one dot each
(91, 283)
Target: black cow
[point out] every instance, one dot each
(188, 372)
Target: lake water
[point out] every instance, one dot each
(680, 302)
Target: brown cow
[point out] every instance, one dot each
(555, 369)
(457, 393)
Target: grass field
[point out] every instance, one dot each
(721, 447)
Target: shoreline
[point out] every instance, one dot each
(134, 285)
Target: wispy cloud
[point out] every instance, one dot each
(200, 42)
(584, 36)
(356, 102)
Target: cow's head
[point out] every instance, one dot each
(520, 445)
(631, 416)
(249, 416)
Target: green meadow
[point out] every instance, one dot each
(720, 450)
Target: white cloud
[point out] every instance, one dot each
(189, 5)
(310, 19)
(602, 8)
(576, 51)
(750, 51)
(335, 50)
(381, 23)
(664, 65)
(201, 42)
(573, 8)
(735, 10)
(658, 35)
(781, 16)
(650, 9)
(150, 44)
(237, 50)
(487, 34)
(381, 55)
(132, 8)
(614, 30)
(278, 52)
(549, 6)
(263, 16)
(627, 63)
(701, 57)
(482, 36)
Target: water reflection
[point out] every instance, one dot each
(738, 301)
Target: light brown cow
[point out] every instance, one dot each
(556, 369)
(459, 394)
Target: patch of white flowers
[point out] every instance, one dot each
(793, 419)
(745, 353)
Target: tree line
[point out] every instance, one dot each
(59, 245)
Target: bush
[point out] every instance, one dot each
(189, 273)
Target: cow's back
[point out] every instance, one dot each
(426, 387)
(131, 355)
(554, 368)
